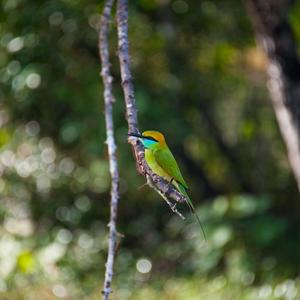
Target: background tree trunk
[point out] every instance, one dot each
(274, 34)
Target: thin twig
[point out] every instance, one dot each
(111, 145)
(173, 207)
(161, 185)
(164, 195)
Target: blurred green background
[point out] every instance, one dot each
(200, 79)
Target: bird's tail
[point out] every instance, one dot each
(190, 204)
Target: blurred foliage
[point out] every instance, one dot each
(200, 79)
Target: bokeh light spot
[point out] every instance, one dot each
(94, 20)
(48, 155)
(85, 241)
(13, 67)
(15, 44)
(64, 236)
(83, 203)
(180, 7)
(59, 291)
(8, 158)
(66, 165)
(33, 80)
(56, 18)
(144, 265)
(32, 128)
(43, 184)
(265, 292)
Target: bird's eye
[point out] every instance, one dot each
(150, 138)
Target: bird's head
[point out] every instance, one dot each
(150, 139)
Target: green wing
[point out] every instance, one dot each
(167, 162)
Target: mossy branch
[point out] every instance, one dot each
(162, 186)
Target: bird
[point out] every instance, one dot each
(163, 163)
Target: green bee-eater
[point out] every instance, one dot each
(162, 162)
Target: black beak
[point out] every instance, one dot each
(136, 135)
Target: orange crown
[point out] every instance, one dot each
(156, 135)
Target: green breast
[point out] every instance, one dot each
(155, 167)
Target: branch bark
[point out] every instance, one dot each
(274, 34)
(163, 187)
(111, 145)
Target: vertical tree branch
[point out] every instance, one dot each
(111, 145)
(168, 191)
(269, 18)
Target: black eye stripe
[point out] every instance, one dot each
(150, 138)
